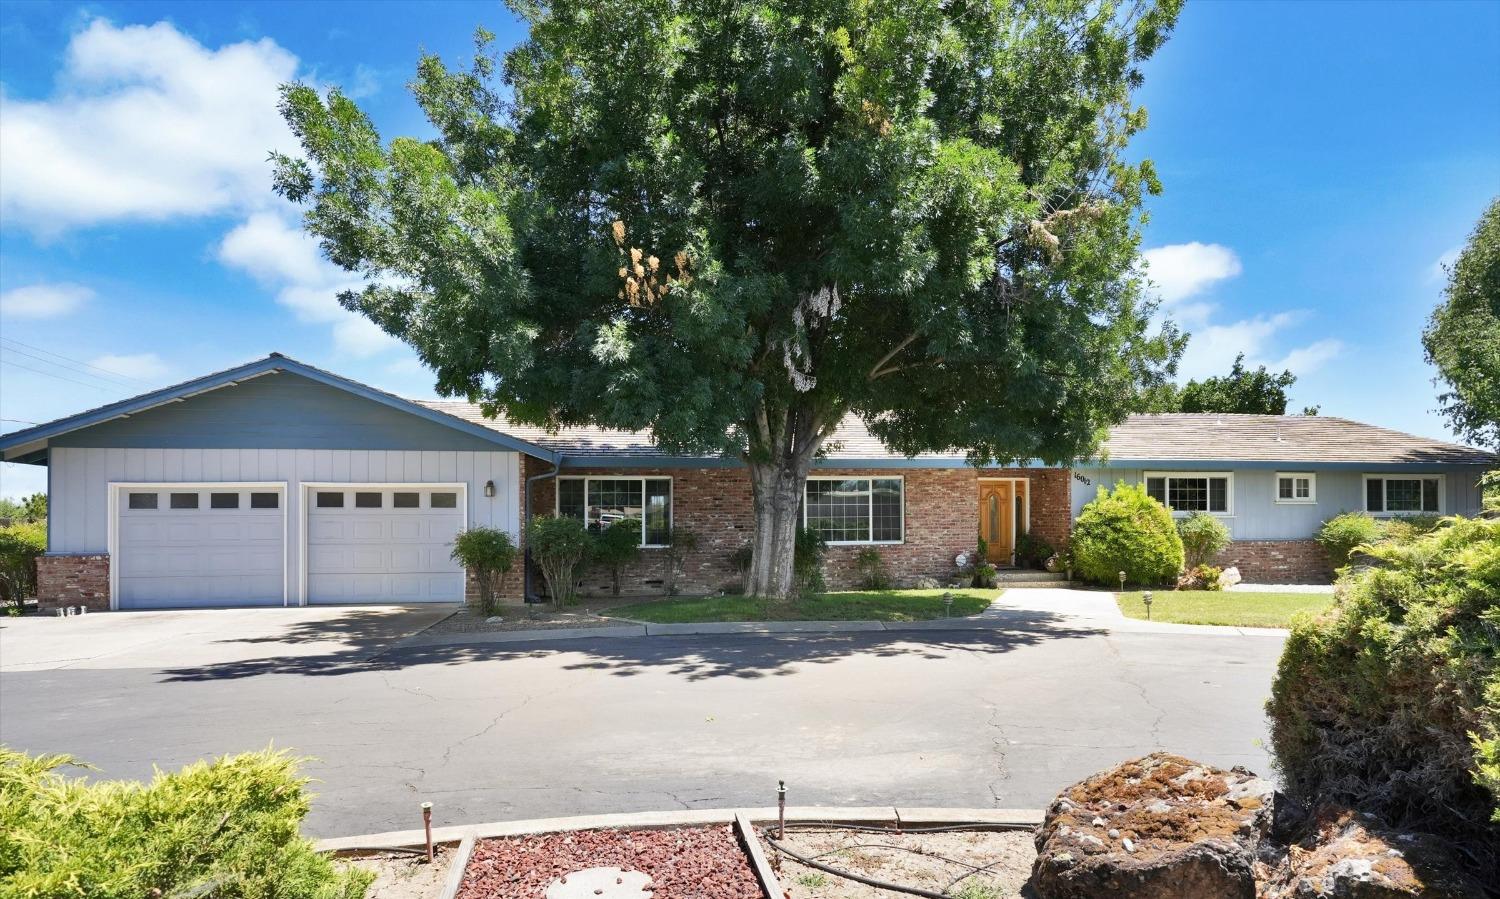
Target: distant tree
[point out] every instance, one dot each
(733, 223)
(1463, 336)
(1311, 410)
(1253, 392)
(31, 508)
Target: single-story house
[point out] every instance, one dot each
(277, 483)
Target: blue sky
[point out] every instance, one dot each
(1319, 160)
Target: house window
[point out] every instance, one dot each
(1187, 492)
(1403, 495)
(143, 501)
(265, 500)
(223, 500)
(604, 501)
(854, 510)
(184, 500)
(1296, 488)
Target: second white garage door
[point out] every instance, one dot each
(368, 544)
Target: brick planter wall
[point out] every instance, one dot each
(1278, 561)
(72, 580)
(942, 520)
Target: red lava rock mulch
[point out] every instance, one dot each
(684, 863)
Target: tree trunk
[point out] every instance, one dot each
(777, 489)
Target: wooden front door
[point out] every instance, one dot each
(997, 520)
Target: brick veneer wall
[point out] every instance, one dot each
(72, 580)
(1278, 561)
(942, 520)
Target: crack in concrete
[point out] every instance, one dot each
(1126, 676)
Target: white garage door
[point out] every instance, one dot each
(383, 544)
(190, 546)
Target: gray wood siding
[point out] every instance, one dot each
(1257, 515)
(81, 476)
(275, 411)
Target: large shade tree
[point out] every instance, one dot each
(1463, 336)
(735, 222)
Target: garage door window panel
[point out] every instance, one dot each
(406, 500)
(368, 500)
(330, 500)
(444, 501)
(142, 502)
(223, 500)
(265, 500)
(184, 501)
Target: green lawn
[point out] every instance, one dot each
(1219, 607)
(883, 605)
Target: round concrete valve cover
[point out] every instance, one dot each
(600, 883)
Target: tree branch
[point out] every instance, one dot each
(875, 369)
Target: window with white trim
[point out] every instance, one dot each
(1296, 487)
(1186, 492)
(604, 501)
(855, 510)
(1403, 495)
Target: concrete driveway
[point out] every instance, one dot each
(1004, 716)
(204, 636)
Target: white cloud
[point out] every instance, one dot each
(279, 255)
(1308, 359)
(1185, 270)
(147, 124)
(44, 300)
(1213, 347)
(141, 366)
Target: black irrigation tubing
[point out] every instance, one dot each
(850, 875)
(946, 828)
(922, 852)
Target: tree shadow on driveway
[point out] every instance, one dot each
(695, 657)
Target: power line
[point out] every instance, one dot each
(19, 421)
(107, 371)
(49, 374)
(72, 369)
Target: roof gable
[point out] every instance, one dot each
(272, 402)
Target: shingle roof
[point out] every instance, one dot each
(1155, 438)
(1184, 436)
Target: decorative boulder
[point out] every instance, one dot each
(1347, 855)
(1229, 577)
(1162, 827)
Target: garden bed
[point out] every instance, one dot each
(683, 862)
(971, 864)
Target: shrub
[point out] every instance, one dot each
(1341, 534)
(1390, 700)
(1201, 577)
(741, 560)
(680, 542)
(20, 544)
(1033, 551)
(1408, 527)
(559, 545)
(985, 575)
(489, 554)
(616, 547)
(226, 829)
(871, 567)
(1126, 530)
(807, 562)
(1203, 537)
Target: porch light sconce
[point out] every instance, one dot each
(489, 489)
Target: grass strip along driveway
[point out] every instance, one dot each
(1224, 607)
(870, 605)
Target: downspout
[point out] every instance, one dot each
(528, 594)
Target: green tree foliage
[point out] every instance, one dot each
(32, 508)
(20, 544)
(488, 554)
(1342, 534)
(1203, 537)
(1390, 701)
(732, 223)
(559, 545)
(228, 829)
(680, 542)
(1126, 530)
(1257, 392)
(617, 546)
(1463, 336)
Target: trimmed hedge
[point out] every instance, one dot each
(1390, 701)
(1126, 530)
(1341, 534)
(227, 829)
